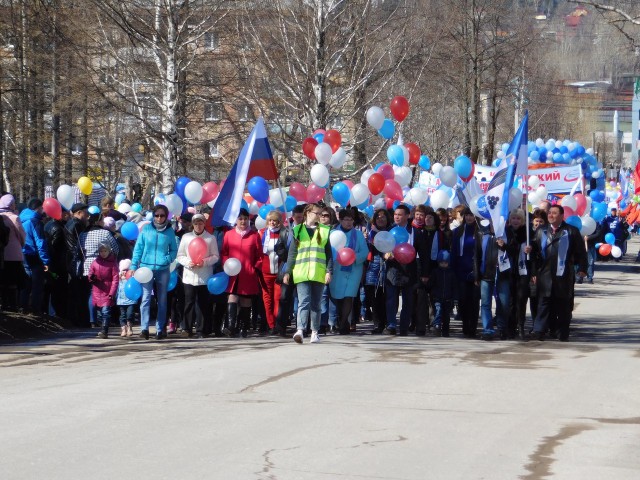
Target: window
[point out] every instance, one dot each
(245, 113)
(212, 149)
(337, 122)
(211, 41)
(211, 77)
(212, 112)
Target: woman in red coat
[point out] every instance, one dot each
(243, 244)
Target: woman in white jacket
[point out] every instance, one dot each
(197, 301)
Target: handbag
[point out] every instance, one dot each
(396, 277)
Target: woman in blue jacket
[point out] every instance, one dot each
(345, 284)
(155, 249)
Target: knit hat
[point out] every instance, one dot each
(109, 223)
(124, 264)
(443, 256)
(6, 201)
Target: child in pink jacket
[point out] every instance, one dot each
(103, 274)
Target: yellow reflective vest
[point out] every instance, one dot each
(311, 260)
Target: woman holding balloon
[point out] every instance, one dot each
(155, 250)
(271, 236)
(241, 248)
(376, 274)
(197, 253)
(352, 252)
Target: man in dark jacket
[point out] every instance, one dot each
(77, 307)
(592, 253)
(36, 256)
(56, 282)
(557, 249)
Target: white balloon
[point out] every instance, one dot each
(418, 196)
(588, 225)
(534, 181)
(359, 194)
(569, 201)
(232, 267)
(375, 117)
(124, 208)
(65, 196)
(275, 197)
(338, 239)
(589, 151)
(323, 153)
(173, 265)
(143, 275)
(541, 191)
(435, 168)
(402, 175)
(260, 222)
(515, 198)
(616, 251)
(448, 176)
(193, 192)
(364, 178)
(596, 174)
(320, 175)
(384, 242)
(439, 199)
(254, 208)
(379, 203)
(174, 203)
(533, 198)
(337, 159)
(405, 154)
(539, 142)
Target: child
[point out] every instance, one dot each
(443, 281)
(103, 274)
(125, 304)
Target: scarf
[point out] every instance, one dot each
(266, 237)
(242, 233)
(522, 260)
(435, 244)
(563, 248)
(463, 237)
(160, 228)
(485, 243)
(417, 225)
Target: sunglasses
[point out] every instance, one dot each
(160, 215)
(325, 215)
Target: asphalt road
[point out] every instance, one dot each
(357, 407)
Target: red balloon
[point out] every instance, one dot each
(414, 153)
(315, 193)
(404, 253)
(399, 108)
(386, 171)
(309, 147)
(393, 190)
(197, 249)
(569, 212)
(389, 203)
(52, 207)
(471, 175)
(605, 249)
(346, 256)
(320, 130)
(209, 192)
(376, 183)
(333, 138)
(348, 183)
(298, 191)
(581, 203)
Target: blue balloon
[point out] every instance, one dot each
(535, 155)
(369, 211)
(387, 130)
(598, 211)
(557, 157)
(378, 166)
(218, 283)
(623, 204)
(424, 162)
(264, 210)
(400, 234)
(610, 238)
(483, 207)
(463, 166)
(319, 137)
(244, 204)
(258, 189)
(180, 184)
(93, 210)
(396, 204)
(133, 289)
(289, 204)
(129, 230)
(159, 199)
(173, 280)
(341, 194)
(395, 155)
(564, 149)
(575, 221)
(120, 198)
(136, 207)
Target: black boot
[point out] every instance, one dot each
(521, 332)
(232, 312)
(244, 321)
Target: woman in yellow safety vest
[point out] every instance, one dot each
(309, 267)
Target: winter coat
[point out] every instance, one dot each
(545, 263)
(154, 249)
(35, 244)
(90, 242)
(248, 250)
(443, 283)
(57, 245)
(271, 260)
(493, 250)
(462, 261)
(122, 298)
(345, 281)
(17, 237)
(197, 275)
(421, 263)
(377, 267)
(103, 275)
(72, 231)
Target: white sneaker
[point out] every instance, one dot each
(297, 337)
(314, 337)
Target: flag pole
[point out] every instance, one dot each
(526, 204)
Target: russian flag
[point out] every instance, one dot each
(255, 160)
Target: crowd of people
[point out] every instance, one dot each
(78, 267)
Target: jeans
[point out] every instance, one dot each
(104, 316)
(392, 293)
(31, 296)
(328, 310)
(161, 278)
(309, 299)
(591, 261)
(126, 314)
(442, 315)
(503, 295)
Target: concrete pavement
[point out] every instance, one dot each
(357, 407)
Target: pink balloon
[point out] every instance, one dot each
(393, 190)
(581, 203)
(314, 193)
(346, 256)
(568, 212)
(348, 183)
(52, 207)
(386, 171)
(209, 192)
(298, 191)
(404, 253)
(197, 249)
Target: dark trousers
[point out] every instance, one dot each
(176, 303)
(31, 295)
(284, 309)
(344, 307)
(421, 310)
(78, 307)
(554, 314)
(219, 311)
(519, 297)
(442, 316)
(392, 293)
(375, 299)
(469, 307)
(55, 294)
(197, 309)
